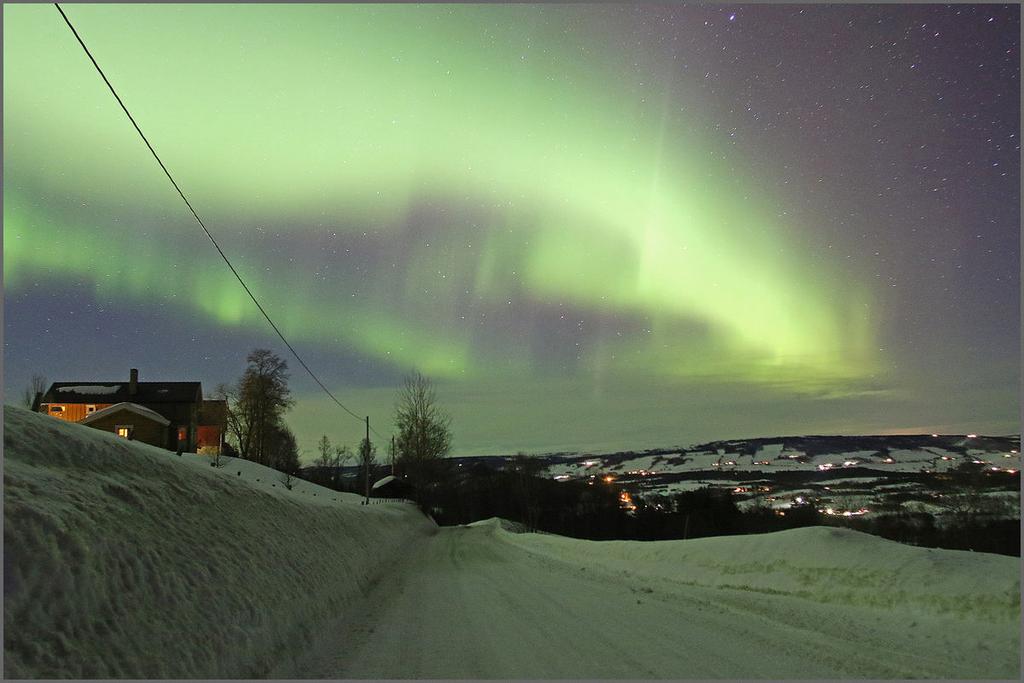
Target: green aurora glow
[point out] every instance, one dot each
(581, 208)
(424, 186)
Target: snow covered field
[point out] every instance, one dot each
(839, 475)
(124, 560)
(783, 454)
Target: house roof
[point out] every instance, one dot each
(213, 411)
(117, 392)
(130, 407)
(391, 486)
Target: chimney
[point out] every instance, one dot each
(133, 383)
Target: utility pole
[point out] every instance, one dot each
(366, 460)
(392, 455)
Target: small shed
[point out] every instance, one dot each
(391, 487)
(131, 421)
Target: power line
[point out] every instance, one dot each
(203, 225)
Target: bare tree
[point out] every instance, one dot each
(342, 455)
(35, 388)
(257, 404)
(424, 430)
(331, 460)
(234, 427)
(282, 449)
(326, 451)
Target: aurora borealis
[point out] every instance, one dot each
(595, 226)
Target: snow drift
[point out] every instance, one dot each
(123, 560)
(485, 602)
(823, 564)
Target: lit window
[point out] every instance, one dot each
(56, 410)
(181, 433)
(124, 431)
(90, 409)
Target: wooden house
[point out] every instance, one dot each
(171, 415)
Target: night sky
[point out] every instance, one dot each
(596, 227)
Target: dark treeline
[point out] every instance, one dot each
(568, 508)
(972, 519)
(594, 511)
(468, 493)
(977, 533)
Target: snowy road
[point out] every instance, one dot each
(468, 604)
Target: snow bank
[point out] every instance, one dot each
(823, 564)
(90, 389)
(123, 560)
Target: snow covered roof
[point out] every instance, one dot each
(131, 407)
(107, 392)
(383, 482)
